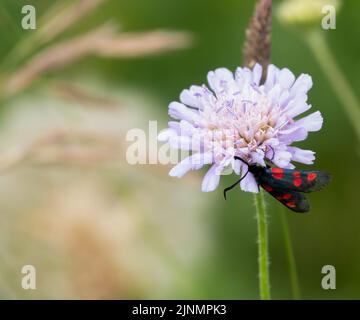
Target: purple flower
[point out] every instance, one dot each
(241, 117)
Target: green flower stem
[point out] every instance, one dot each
(264, 280)
(321, 50)
(295, 288)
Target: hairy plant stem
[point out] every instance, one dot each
(264, 279)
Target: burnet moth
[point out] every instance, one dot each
(286, 185)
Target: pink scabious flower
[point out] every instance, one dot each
(244, 118)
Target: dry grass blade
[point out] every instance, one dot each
(57, 19)
(103, 41)
(76, 94)
(140, 44)
(66, 18)
(257, 45)
(54, 57)
(73, 147)
(64, 146)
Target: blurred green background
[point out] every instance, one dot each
(97, 227)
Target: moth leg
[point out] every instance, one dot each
(273, 153)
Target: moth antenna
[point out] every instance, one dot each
(235, 184)
(241, 159)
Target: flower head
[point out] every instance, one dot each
(241, 117)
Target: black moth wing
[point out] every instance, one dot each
(293, 200)
(295, 180)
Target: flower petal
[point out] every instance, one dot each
(302, 156)
(237, 166)
(282, 158)
(247, 74)
(302, 85)
(286, 78)
(175, 126)
(198, 160)
(274, 93)
(179, 111)
(181, 142)
(312, 122)
(289, 166)
(239, 77)
(220, 79)
(244, 76)
(166, 134)
(211, 180)
(284, 98)
(271, 76)
(297, 134)
(256, 74)
(297, 106)
(186, 128)
(249, 184)
(193, 97)
(181, 168)
(193, 162)
(258, 157)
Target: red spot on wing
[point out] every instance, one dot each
(311, 176)
(297, 174)
(286, 196)
(267, 188)
(277, 173)
(291, 204)
(297, 182)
